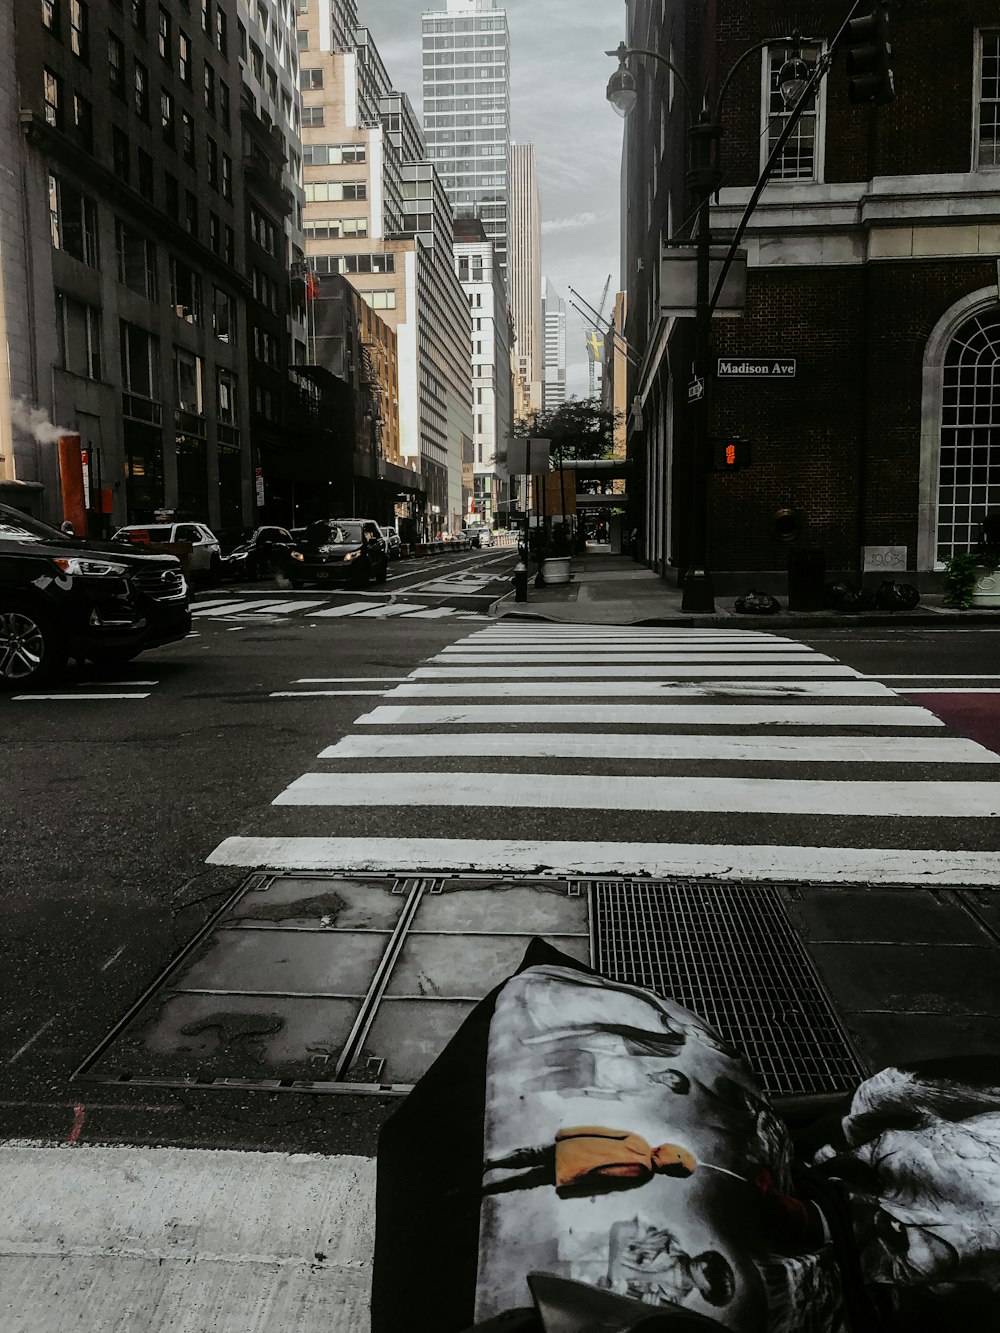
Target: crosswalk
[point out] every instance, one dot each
(264, 609)
(570, 749)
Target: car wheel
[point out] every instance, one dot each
(31, 648)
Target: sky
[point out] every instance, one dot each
(558, 76)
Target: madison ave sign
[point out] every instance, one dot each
(756, 367)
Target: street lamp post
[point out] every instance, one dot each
(796, 83)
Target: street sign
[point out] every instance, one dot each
(696, 389)
(756, 367)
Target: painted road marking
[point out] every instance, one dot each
(433, 613)
(283, 608)
(936, 675)
(390, 609)
(48, 698)
(571, 745)
(228, 608)
(626, 671)
(956, 689)
(320, 694)
(612, 687)
(832, 865)
(348, 609)
(889, 714)
(348, 680)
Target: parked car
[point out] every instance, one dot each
(480, 535)
(206, 553)
(65, 596)
(265, 551)
(393, 545)
(339, 550)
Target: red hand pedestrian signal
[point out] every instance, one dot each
(730, 455)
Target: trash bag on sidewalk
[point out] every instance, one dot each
(893, 596)
(588, 1155)
(756, 603)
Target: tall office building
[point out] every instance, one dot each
(526, 267)
(554, 373)
(466, 51)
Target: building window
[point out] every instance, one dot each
(227, 396)
(79, 30)
(212, 158)
(164, 42)
(79, 329)
(120, 153)
(215, 233)
(382, 300)
(83, 122)
(229, 251)
(184, 57)
(969, 478)
(224, 103)
(223, 316)
(257, 62)
(167, 116)
(333, 154)
(310, 80)
(265, 346)
(139, 15)
(312, 116)
(188, 381)
(333, 229)
(141, 91)
(187, 138)
(136, 258)
(987, 148)
(140, 361)
(52, 94)
(800, 159)
(185, 292)
(73, 222)
(145, 173)
(191, 212)
(227, 176)
(116, 66)
(221, 31)
(50, 16)
(206, 15)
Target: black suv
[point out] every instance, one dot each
(339, 550)
(63, 595)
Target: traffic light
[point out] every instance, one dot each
(869, 58)
(731, 455)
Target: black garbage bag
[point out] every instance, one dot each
(756, 603)
(893, 596)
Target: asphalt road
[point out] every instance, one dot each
(110, 807)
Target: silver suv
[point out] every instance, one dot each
(206, 554)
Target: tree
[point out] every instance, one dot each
(578, 428)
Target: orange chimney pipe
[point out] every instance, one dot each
(71, 477)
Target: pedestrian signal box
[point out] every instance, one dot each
(730, 455)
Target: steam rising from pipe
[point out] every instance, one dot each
(34, 421)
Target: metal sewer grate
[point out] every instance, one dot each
(730, 954)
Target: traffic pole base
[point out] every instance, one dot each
(699, 593)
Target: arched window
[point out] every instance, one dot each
(970, 433)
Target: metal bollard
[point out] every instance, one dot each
(520, 581)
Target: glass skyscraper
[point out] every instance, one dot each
(466, 51)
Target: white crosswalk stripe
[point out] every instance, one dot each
(765, 738)
(260, 609)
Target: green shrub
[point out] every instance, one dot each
(961, 575)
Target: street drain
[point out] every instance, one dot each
(729, 953)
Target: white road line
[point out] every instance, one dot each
(627, 671)
(649, 714)
(389, 609)
(955, 689)
(348, 609)
(570, 745)
(31, 1040)
(614, 688)
(228, 608)
(131, 684)
(652, 653)
(934, 675)
(34, 698)
(661, 795)
(433, 613)
(320, 694)
(348, 680)
(286, 608)
(830, 865)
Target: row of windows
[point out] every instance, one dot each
(497, 24)
(215, 92)
(381, 300)
(326, 192)
(79, 25)
(480, 103)
(332, 229)
(333, 154)
(486, 86)
(490, 40)
(360, 263)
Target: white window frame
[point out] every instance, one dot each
(819, 157)
(977, 100)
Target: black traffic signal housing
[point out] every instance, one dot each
(731, 455)
(869, 58)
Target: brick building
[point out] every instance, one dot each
(872, 262)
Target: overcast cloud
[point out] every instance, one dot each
(558, 75)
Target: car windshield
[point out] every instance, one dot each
(330, 533)
(153, 533)
(16, 526)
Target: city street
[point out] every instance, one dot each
(278, 740)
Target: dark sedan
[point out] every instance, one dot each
(265, 551)
(63, 596)
(339, 550)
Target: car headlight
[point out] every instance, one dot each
(76, 565)
(352, 555)
(296, 555)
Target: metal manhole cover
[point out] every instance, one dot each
(729, 953)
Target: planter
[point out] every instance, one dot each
(987, 589)
(555, 569)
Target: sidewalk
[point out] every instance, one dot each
(613, 590)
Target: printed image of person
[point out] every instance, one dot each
(588, 1160)
(589, 1073)
(649, 1264)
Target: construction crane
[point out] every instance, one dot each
(595, 336)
